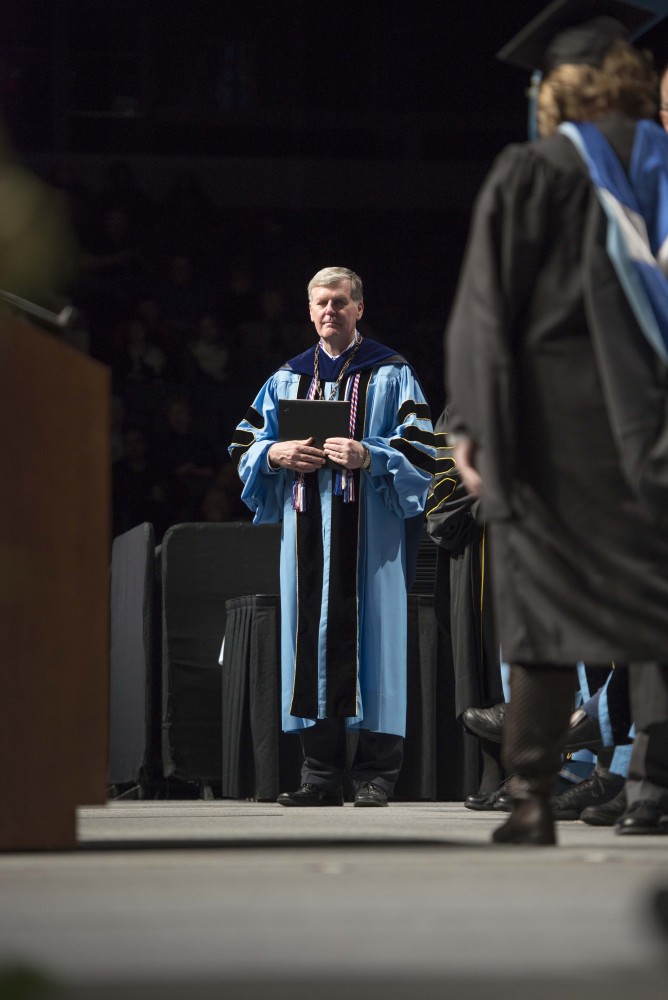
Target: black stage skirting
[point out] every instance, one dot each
(259, 761)
(178, 714)
(202, 566)
(131, 655)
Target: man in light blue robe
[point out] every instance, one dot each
(349, 541)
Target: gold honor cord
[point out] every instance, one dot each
(316, 370)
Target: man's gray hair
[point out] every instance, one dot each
(330, 276)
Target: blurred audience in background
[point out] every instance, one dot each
(181, 300)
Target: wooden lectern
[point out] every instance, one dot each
(54, 561)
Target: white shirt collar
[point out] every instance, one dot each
(348, 348)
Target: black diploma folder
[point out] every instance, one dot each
(299, 419)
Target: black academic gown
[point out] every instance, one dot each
(453, 523)
(580, 568)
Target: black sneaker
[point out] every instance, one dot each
(608, 813)
(595, 790)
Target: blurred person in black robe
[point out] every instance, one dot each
(557, 378)
(464, 611)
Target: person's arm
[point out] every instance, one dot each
(452, 513)
(400, 439)
(253, 439)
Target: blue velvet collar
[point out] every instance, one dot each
(370, 353)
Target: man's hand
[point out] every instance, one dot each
(346, 452)
(464, 456)
(300, 456)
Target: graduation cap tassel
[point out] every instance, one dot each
(536, 77)
(299, 494)
(344, 485)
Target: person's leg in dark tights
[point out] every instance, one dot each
(539, 711)
(492, 769)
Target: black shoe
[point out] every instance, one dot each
(595, 790)
(310, 795)
(584, 733)
(480, 801)
(504, 802)
(530, 823)
(484, 801)
(486, 722)
(370, 794)
(643, 816)
(608, 813)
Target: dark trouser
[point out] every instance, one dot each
(378, 756)
(492, 771)
(648, 769)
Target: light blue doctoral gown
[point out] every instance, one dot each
(394, 489)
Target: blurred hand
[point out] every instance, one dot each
(464, 455)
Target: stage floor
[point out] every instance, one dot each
(231, 899)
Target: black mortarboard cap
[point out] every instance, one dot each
(580, 31)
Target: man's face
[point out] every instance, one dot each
(334, 314)
(663, 113)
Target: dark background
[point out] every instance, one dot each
(354, 134)
(384, 116)
(368, 129)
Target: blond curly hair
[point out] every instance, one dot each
(626, 82)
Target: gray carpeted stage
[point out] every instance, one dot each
(234, 899)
